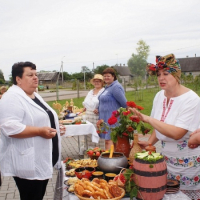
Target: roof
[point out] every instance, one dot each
(191, 64)
(47, 76)
(123, 70)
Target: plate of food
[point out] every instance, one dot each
(83, 163)
(71, 181)
(66, 121)
(70, 173)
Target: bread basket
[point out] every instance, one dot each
(116, 198)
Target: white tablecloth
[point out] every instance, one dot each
(82, 129)
(61, 190)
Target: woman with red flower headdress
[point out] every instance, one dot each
(175, 114)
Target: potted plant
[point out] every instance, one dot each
(123, 124)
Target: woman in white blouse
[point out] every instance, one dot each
(30, 134)
(174, 116)
(91, 104)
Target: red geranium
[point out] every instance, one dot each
(125, 134)
(134, 118)
(115, 113)
(130, 129)
(140, 108)
(131, 104)
(112, 120)
(146, 131)
(126, 113)
(123, 123)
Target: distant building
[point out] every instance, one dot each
(48, 77)
(124, 73)
(190, 65)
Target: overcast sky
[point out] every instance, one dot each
(80, 32)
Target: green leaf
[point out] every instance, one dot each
(133, 193)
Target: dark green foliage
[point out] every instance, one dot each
(99, 69)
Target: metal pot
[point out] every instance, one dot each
(114, 164)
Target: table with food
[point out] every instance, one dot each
(77, 127)
(73, 118)
(110, 175)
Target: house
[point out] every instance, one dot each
(124, 73)
(190, 65)
(48, 77)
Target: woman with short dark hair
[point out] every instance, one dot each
(30, 141)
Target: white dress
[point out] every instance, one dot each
(91, 102)
(183, 111)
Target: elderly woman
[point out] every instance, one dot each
(30, 142)
(175, 114)
(91, 104)
(111, 99)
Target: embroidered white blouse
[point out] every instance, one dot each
(183, 111)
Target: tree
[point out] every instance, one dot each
(99, 69)
(137, 63)
(2, 79)
(143, 49)
(66, 76)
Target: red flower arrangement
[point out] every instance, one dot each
(123, 122)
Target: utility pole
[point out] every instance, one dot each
(62, 70)
(117, 58)
(57, 82)
(84, 69)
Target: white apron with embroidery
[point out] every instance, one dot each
(183, 111)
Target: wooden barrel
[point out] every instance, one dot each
(151, 178)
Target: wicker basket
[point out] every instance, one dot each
(116, 198)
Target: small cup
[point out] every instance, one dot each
(97, 174)
(110, 176)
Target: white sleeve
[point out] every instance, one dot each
(188, 117)
(12, 113)
(88, 103)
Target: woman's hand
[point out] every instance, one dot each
(194, 140)
(143, 144)
(141, 116)
(47, 132)
(96, 111)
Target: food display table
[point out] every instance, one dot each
(82, 129)
(62, 193)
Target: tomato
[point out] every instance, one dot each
(90, 152)
(98, 153)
